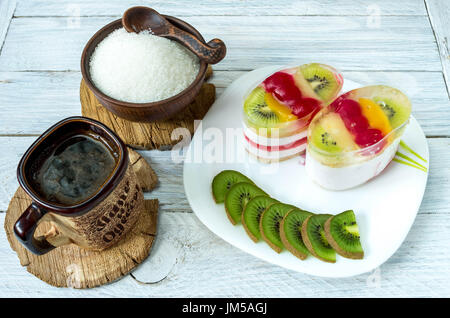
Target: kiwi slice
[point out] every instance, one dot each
(342, 233)
(321, 80)
(257, 110)
(223, 181)
(324, 140)
(291, 232)
(252, 214)
(269, 225)
(396, 113)
(330, 134)
(237, 198)
(313, 236)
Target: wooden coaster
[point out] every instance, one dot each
(72, 266)
(156, 135)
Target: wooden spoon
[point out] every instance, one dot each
(137, 19)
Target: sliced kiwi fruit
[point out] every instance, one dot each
(223, 181)
(257, 110)
(237, 198)
(291, 232)
(330, 135)
(269, 224)
(342, 233)
(396, 113)
(321, 80)
(323, 140)
(313, 236)
(252, 215)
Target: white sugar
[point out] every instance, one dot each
(141, 68)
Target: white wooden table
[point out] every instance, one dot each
(401, 43)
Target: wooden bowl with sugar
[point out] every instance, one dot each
(142, 112)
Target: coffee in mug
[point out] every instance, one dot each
(74, 170)
(78, 176)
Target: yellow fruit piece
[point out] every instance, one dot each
(375, 115)
(335, 127)
(282, 111)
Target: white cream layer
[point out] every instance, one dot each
(274, 155)
(347, 177)
(264, 141)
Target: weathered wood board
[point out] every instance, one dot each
(44, 98)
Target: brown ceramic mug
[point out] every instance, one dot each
(97, 221)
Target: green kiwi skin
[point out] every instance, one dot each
(218, 195)
(401, 115)
(247, 230)
(275, 247)
(318, 71)
(257, 191)
(257, 111)
(336, 247)
(308, 243)
(296, 252)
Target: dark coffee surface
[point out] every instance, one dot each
(75, 171)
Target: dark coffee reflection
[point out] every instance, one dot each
(75, 171)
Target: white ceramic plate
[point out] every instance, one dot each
(385, 207)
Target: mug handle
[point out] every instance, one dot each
(25, 227)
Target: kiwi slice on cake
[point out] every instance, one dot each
(258, 112)
(313, 236)
(269, 225)
(223, 181)
(252, 215)
(328, 133)
(291, 232)
(396, 113)
(392, 101)
(237, 198)
(342, 233)
(321, 79)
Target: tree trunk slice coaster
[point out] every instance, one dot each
(156, 135)
(72, 266)
(147, 178)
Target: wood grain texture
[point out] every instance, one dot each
(47, 97)
(7, 8)
(380, 41)
(439, 13)
(154, 135)
(192, 261)
(147, 177)
(221, 7)
(170, 189)
(72, 266)
(392, 43)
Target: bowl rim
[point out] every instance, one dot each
(97, 92)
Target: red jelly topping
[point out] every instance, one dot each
(282, 86)
(356, 123)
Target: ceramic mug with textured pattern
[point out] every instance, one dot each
(93, 220)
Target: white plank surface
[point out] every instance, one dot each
(7, 8)
(439, 12)
(222, 7)
(377, 41)
(397, 43)
(46, 97)
(201, 264)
